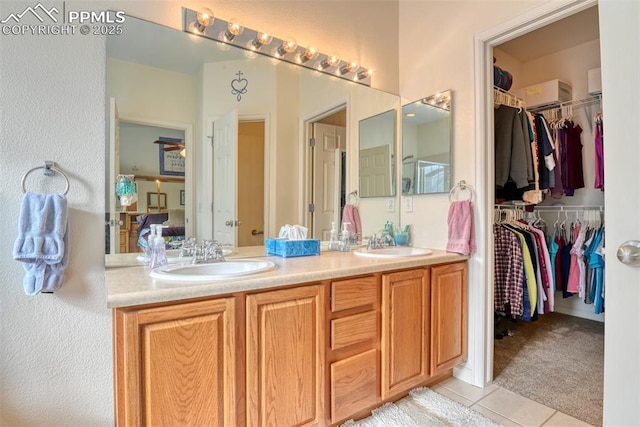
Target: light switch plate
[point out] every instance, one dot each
(391, 207)
(408, 204)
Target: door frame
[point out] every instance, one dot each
(207, 175)
(189, 181)
(307, 174)
(481, 266)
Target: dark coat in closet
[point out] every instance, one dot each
(513, 159)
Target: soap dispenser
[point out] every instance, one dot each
(158, 250)
(334, 242)
(345, 237)
(148, 248)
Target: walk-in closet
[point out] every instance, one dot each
(549, 220)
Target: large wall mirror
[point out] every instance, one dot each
(377, 155)
(426, 145)
(243, 123)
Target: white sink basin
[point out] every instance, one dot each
(173, 256)
(392, 252)
(214, 271)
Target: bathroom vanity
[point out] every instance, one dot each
(317, 341)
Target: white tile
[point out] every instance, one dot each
(453, 396)
(494, 417)
(517, 408)
(563, 420)
(467, 390)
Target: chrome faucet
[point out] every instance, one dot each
(385, 240)
(205, 252)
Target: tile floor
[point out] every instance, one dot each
(504, 406)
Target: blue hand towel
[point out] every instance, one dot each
(42, 242)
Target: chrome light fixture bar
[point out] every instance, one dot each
(204, 24)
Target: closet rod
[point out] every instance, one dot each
(570, 104)
(569, 208)
(580, 102)
(500, 96)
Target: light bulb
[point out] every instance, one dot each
(205, 18)
(329, 61)
(262, 39)
(287, 46)
(348, 67)
(365, 73)
(309, 54)
(233, 29)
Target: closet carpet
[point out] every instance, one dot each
(557, 361)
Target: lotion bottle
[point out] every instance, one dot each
(334, 243)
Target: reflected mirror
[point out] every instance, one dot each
(377, 139)
(426, 145)
(260, 172)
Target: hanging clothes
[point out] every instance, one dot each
(546, 162)
(513, 161)
(571, 151)
(508, 272)
(599, 153)
(523, 275)
(577, 261)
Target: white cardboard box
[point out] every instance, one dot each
(547, 93)
(594, 81)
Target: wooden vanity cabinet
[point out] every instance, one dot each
(175, 364)
(285, 357)
(405, 330)
(313, 354)
(448, 316)
(353, 346)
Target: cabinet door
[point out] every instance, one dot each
(285, 357)
(449, 316)
(405, 330)
(175, 365)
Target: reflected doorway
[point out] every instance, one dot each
(327, 175)
(251, 187)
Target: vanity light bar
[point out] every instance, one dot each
(268, 45)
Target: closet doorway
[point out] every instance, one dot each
(537, 359)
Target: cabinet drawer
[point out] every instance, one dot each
(353, 329)
(354, 382)
(353, 293)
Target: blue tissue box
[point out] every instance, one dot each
(292, 248)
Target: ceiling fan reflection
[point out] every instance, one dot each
(171, 145)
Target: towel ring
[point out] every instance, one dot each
(462, 186)
(49, 169)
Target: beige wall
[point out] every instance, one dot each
(436, 53)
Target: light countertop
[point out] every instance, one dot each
(128, 281)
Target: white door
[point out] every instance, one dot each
(114, 170)
(330, 140)
(621, 109)
(225, 155)
(375, 171)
